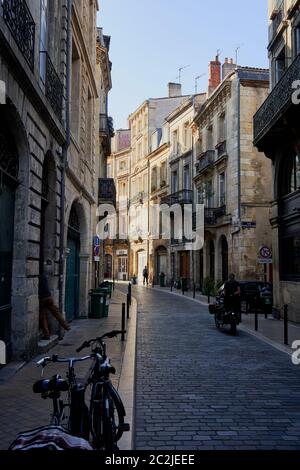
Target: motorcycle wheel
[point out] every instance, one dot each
(217, 323)
(233, 329)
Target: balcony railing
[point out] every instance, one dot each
(53, 85)
(211, 215)
(277, 103)
(106, 125)
(206, 160)
(19, 21)
(277, 18)
(181, 197)
(107, 190)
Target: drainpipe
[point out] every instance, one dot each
(238, 156)
(65, 158)
(239, 143)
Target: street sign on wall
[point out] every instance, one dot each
(265, 255)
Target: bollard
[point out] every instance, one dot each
(286, 325)
(208, 299)
(171, 286)
(113, 284)
(129, 292)
(256, 316)
(194, 290)
(182, 288)
(128, 303)
(123, 323)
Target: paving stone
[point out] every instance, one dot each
(236, 392)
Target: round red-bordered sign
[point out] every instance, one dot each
(265, 252)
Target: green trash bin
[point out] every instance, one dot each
(162, 277)
(105, 292)
(106, 307)
(98, 303)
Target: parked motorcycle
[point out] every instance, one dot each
(225, 316)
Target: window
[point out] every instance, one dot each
(163, 174)
(222, 196)
(295, 175)
(186, 177)
(175, 142)
(122, 165)
(208, 194)
(75, 92)
(297, 40)
(290, 257)
(280, 65)
(154, 179)
(186, 135)
(222, 130)
(43, 39)
(174, 181)
(209, 138)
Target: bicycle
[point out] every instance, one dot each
(107, 411)
(77, 422)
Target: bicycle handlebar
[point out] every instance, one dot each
(70, 360)
(111, 334)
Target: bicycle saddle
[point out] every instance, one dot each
(55, 384)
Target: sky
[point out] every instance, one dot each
(152, 39)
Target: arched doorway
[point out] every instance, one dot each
(73, 266)
(9, 166)
(211, 259)
(142, 262)
(224, 257)
(161, 262)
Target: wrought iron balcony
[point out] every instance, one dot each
(185, 196)
(107, 190)
(106, 125)
(211, 215)
(53, 85)
(19, 21)
(277, 104)
(206, 161)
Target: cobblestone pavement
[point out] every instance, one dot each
(199, 388)
(20, 408)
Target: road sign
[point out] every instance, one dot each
(245, 224)
(265, 252)
(96, 241)
(97, 250)
(264, 260)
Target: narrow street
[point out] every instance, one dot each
(199, 388)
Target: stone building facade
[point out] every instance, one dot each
(181, 185)
(233, 181)
(277, 134)
(49, 170)
(148, 118)
(117, 249)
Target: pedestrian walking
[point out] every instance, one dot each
(47, 304)
(145, 276)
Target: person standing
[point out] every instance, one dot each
(47, 305)
(145, 275)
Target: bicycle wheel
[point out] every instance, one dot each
(107, 416)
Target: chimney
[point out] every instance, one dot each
(214, 75)
(227, 67)
(174, 89)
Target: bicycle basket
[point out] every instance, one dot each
(49, 438)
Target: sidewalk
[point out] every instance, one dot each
(22, 410)
(270, 330)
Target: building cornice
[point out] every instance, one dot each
(157, 151)
(216, 103)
